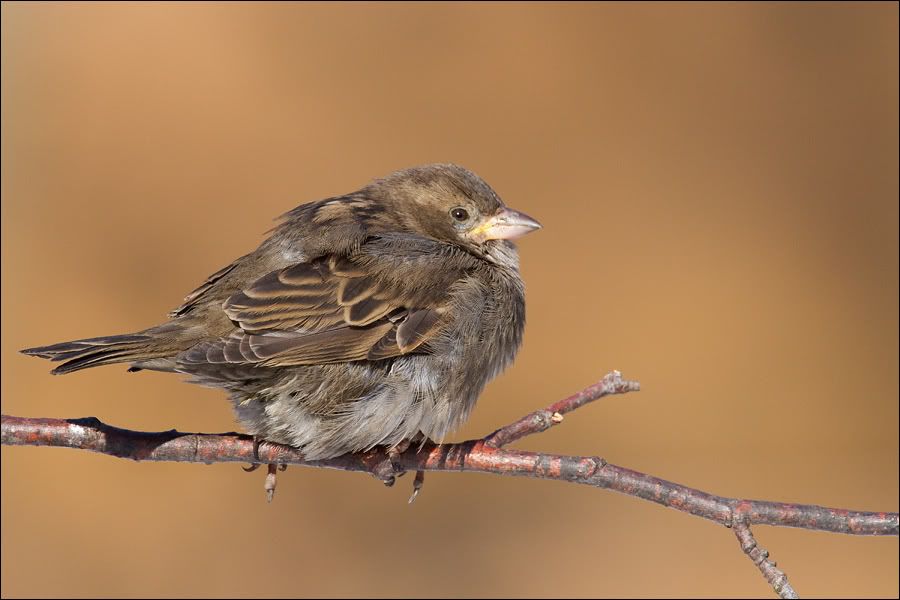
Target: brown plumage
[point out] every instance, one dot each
(364, 319)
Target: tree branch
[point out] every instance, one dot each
(486, 455)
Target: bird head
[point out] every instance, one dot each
(451, 204)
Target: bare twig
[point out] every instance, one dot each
(542, 420)
(485, 455)
(760, 557)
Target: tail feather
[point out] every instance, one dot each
(93, 352)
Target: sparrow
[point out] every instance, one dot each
(363, 320)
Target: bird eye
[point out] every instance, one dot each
(460, 214)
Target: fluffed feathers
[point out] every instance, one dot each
(363, 319)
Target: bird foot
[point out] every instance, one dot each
(271, 470)
(390, 469)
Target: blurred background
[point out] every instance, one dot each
(718, 186)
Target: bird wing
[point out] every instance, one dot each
(329, 310)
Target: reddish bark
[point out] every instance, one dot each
(485, 455)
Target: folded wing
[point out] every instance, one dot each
(329, 310)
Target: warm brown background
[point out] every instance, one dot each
(719, 192)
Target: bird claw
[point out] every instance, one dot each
(418, 482)
(271, 482)
(257, 442)
(272, 479)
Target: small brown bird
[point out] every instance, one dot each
(367, 319)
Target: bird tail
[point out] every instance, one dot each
(93, 352)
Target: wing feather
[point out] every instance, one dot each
(332, 309)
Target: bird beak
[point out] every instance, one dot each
(505, 225)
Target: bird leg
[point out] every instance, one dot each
(394, 457)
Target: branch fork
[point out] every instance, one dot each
(486, 455)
